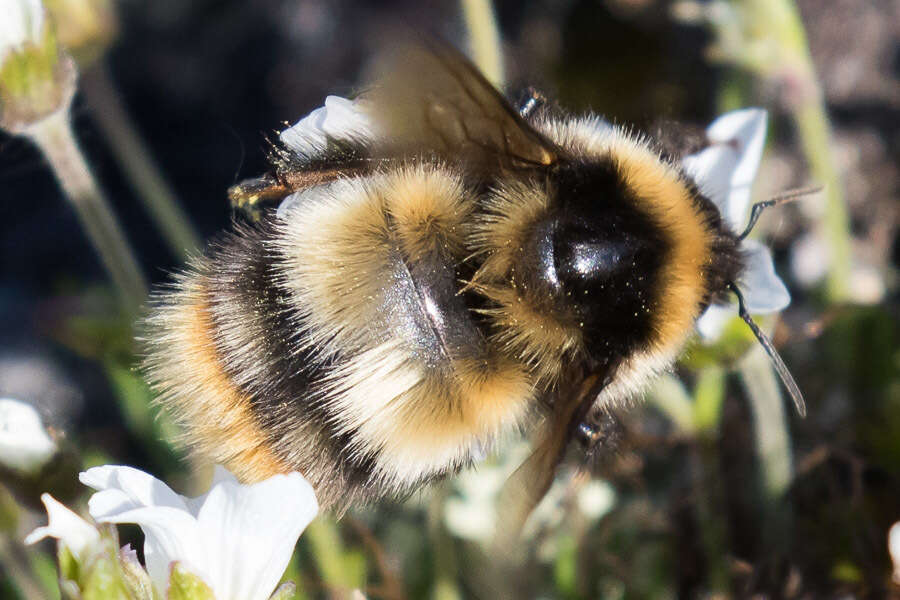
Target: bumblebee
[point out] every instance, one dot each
(429, 270)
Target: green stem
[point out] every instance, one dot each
(54, 137)
(773, 446)
(711, 523)
(484, 39)
(137, 163)
(772, 436)
(337, 567)
(812, 124)
(709, 394)
(16, 566)
(670, 397)
(779, 21)
(445, 585)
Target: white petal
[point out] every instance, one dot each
(471, 520)
(867, 284)
(763, 290)
(73, 531)
(250, 532)
(126, 488)
(237, 538)
(345, 118)
(306, 135)
(810, 259)
(24, 443)
(725, 171)
(894, 549)
(124, 493)
(711, 170)
(712, 323)
(20, 21)
(170, 534)
(340, 119)
(596, 498)
(220, 475)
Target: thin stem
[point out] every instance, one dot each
(339, 568)
(446, 568)
(815, 134)
(772, 436)
(54, 137)
(670, 397)
(484, 39)
(773, 446)
(16, 566)
(709, 394)
(710, 520)
(779, 21)
(137, 163)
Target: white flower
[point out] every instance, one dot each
(894, 549)
(339, 119)
(74, 532)
(84, 27)
(24, 443)
(724, 172)
(596, 498)
(471, 513)
(36, 78)
(21, 22)
(237, 538)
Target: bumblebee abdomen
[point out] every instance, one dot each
(370, 264)
(341, 334)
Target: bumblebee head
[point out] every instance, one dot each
(608, 257)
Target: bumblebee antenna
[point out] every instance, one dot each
(757, 209)
(786, 378)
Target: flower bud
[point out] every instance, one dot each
(25, 446)
(85, 28)
(36, 78)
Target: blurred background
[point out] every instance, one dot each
(714, 487)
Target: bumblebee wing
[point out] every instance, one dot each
(427, 98)
(529, 483)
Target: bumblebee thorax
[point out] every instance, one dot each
(597, 257)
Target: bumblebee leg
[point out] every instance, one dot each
(250, 196)
(600, 429)
(529, 101)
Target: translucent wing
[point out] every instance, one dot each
(429, 99)
(529, 483)
(426, 100)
